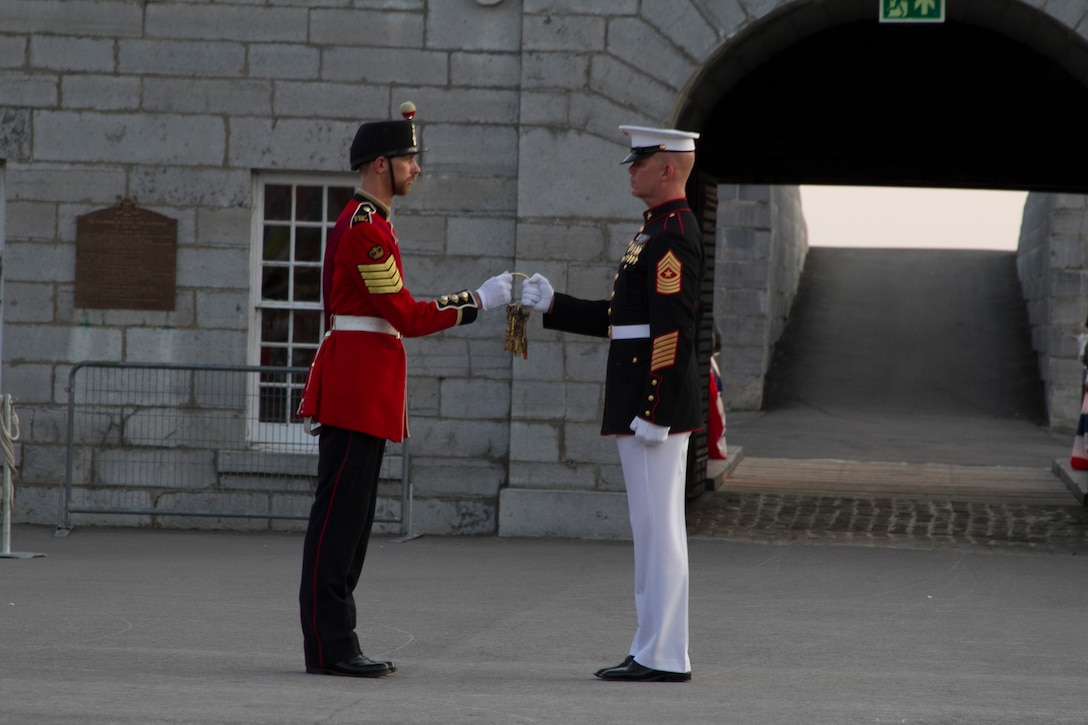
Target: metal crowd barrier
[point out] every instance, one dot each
(158, 440)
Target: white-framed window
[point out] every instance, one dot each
(293, 217)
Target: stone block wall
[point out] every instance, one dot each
(762, 245)
(1052, 263)
(184, 106)
(181, 106)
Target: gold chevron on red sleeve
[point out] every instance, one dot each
(381, 279)
(669, 268)
(664, 352)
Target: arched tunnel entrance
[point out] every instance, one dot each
(994, 98)
(957, 104)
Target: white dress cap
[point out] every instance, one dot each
(646, 141)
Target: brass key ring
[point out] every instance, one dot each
(516, 317)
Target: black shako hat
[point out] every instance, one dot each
(385, 138)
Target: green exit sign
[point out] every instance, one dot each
(912, 11)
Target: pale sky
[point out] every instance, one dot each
(858, 216)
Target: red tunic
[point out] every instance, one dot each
(358, 380)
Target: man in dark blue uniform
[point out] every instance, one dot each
(652, 389)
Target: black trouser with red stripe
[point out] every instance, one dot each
(332, 556)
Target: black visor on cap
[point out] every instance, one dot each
(383, 138)
(642, 152)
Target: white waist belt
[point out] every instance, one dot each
(628, 332)
(350, 323)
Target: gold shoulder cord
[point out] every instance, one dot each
(516, 317)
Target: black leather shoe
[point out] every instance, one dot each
(357, 666)
(628, 660)
(634, 672)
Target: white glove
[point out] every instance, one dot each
(537, 293)
(649, 433)
(495, 291)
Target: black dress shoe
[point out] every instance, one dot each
(634, 672)
(628, 660)
(357, 666)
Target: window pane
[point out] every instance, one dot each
(274, 282)
(277, 244)
(277, 202)
(274, 356)
(308, 244)
(308, 201)
(274, 325)
(276, 377)
(273, 405)
(307, 284)
(307, 327)
(339, 196)
(302, 356)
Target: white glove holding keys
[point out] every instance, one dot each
(495, 291)
(537, 293)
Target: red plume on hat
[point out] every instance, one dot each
(385, 138)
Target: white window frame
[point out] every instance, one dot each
(288, 436)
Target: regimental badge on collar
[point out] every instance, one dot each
(363, 213)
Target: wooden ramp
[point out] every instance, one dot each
(918, 481)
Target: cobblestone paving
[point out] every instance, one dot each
(893, 522)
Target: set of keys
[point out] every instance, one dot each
(516, 318)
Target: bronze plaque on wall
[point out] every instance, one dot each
(126, 259)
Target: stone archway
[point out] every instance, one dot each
(821, 93)
(995, 97)
(658, 62)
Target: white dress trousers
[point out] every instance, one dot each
(655, 478)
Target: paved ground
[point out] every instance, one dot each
(929, 333)
(917, 360)
(153, 627)
(890, 607)
(767, 501)
(876, 521)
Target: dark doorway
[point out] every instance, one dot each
(950, 105)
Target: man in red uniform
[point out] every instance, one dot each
(356, 389)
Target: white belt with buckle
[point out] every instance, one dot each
(628, 332)
(351, 323)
